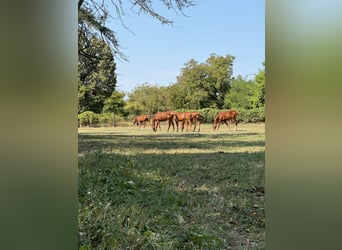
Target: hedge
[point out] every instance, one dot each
(91, 119)
(245, 115)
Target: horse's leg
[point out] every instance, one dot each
(226, 122)
(159, 125)
(169, 126)
(218, 124)
(176, 124)
(199, 125)
(195, 123)
(235, 123)
(173, 125)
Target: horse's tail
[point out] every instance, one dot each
(201, 117)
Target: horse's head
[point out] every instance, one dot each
(135, 121)
(214, 124)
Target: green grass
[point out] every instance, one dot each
(166, 190)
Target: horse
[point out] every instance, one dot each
(160, 117)
(184, 117)
(196, 119)
(140, 120)
(225, 116)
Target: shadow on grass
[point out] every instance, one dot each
(91, 142)
(171, 201)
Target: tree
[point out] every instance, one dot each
(96, 75)
(259, 95)
(204, 85)
(115, 103)
(241, 94)
(93, 16)
(98, 45)
(148, 99)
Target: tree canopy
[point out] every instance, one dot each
(204, 85)
(96, 75)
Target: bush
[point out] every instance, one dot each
(209, 114)
(252, 115)
(88, 118)
(91, 119)
(106, 119)
(245, 115)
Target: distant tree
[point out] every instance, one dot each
(241, 94)
(259, 95)
(115, 103)
(148, 99)
(204, 85)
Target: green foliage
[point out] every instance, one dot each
(115, 103)
(88, 118)
(209, 114)
(203, 85)
(148, 99)
(105, 119)
(241, 94)
(259, 96)
(252, 115)
(96, 75)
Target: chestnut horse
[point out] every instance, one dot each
(196, 119)
(184, 117)
(140, 120)
(225, 116)
(161, 117)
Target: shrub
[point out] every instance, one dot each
(88, 118)
(106, 119)
(252, 115)
(245, 115)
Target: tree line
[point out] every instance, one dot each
(207, 87)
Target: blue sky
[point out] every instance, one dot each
(157, 52)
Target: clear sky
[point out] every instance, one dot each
(157, 52)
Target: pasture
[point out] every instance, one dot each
(140, 189)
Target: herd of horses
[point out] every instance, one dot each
(186, 118)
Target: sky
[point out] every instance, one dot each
(157, 52)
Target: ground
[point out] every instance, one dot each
(140, 189)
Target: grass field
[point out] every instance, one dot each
(166, 190)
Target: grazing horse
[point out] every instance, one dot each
(160, 117)
(184, 117)
(140, 120)
(196, 119)
(225, 117)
